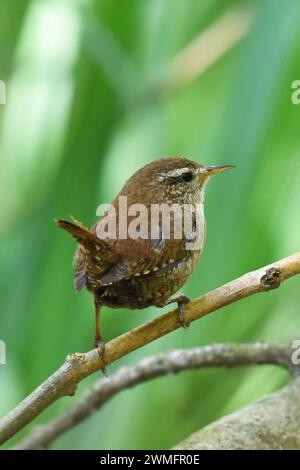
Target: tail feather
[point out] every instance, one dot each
(83, 235)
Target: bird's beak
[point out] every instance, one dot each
(213, 170)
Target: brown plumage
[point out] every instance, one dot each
(137, 273)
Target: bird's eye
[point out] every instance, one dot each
(182, 177)
(187, 176)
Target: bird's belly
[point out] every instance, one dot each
(153, 289)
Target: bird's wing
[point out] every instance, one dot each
(105, 262)
(139, 257)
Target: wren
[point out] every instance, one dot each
(146, 270)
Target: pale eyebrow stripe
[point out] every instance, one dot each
(179, 171)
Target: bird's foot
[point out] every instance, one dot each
(100, 346)
(181, 300)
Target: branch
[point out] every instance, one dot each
(103, 390)
(79, 366)
(272, 423)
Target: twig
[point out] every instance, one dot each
(226, 355)
(78, 366)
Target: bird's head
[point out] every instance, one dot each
(172, 180)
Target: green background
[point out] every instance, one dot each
(84, 110)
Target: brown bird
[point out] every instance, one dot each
(147, 268)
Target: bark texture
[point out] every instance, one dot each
(272, 423)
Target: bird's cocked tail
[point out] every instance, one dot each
(83, 235)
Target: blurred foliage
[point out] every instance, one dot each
(79, 119)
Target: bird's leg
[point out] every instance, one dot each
(98, 341)
(181, 300)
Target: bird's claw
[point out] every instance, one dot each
(181, 302)
(100, 346)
